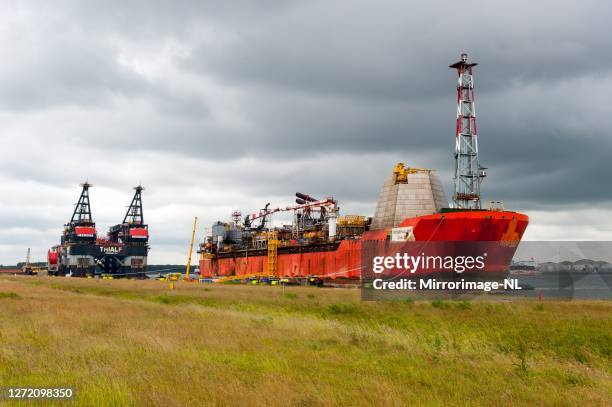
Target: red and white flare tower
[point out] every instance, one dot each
(468, 172)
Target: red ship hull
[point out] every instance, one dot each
(343, 260)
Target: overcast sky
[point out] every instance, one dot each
(219, 105)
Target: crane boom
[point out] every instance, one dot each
(307, 204)
(195, 223)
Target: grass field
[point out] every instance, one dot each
(141, 343)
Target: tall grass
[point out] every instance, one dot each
(142, 343)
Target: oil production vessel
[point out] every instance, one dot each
(320, 246)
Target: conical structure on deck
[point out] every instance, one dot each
(409, 192)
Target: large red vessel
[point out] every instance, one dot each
(319, 257)
(321, 246)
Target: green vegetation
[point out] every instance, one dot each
(143, 343)
(8, 294)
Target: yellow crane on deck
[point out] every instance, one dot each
(187, 275)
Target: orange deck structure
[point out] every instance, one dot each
(342, 260)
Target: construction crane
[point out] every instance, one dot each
(187, 275)
(27, 268)
(401, 172)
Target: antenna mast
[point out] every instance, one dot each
(468, 172)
